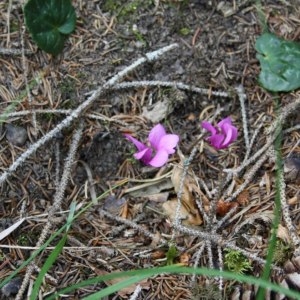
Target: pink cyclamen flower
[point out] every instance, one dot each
(223, 134)
(161, 145)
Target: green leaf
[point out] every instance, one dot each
(280, 63)
(47, 265)
(49, 23)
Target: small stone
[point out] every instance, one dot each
(293, 281)
(292, 168)
(12, 287)
(16, 135)
(289, 267)
(296, 262)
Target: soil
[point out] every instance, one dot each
(129, 227)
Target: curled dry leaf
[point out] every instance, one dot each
(125, 213)
(159, 197)
(294, 200)
(184, 259)
(114, 205)
(10, 229)
(187, 196)
(150, 188)
(158, 254)
(224, 207)
(243, 198)
(188, 217)
(188, 210)
(283, 233)
(124, 292)
(155, 240)
(158, 112)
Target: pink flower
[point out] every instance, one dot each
(161, 146)
(223, 134)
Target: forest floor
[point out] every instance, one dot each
(130, 224)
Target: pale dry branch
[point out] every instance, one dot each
(220, 241)
(286, 211)
(209, 254)
(81, 108)
(94, 116)
(242, 97)
(221, 266)
(57, 199)
(175, 85)
(286, 111)
(136, 293)
(197, 259)
(10, 51)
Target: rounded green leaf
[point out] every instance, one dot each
(280, 63)
(50, 22)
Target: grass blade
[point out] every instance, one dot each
(53, 256)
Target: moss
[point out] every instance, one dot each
(139, 37)
(27, 239)
(125, 10)
(236, 262)
(184, 31)
(282, 253)
(110, 5)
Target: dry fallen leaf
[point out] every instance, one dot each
(294, 200)
(158, 111)
(113, 205)
(224, 207)
(10, 229)
(189, 212)
(158, 254)
(125, 213)
(184, 259)
(176, 180)
(155, 240)
(283, 233)
(159, 197)
(187, 217)
(243, 198)
(124, 292)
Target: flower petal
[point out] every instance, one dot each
(155, 135)
(144, 155)
(216, 140)
(140, 146)
(208, 126)
(160, 158)
(168, 142)
(223, 122)
(230, 136)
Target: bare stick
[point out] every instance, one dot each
(219, 240)
(242, 97)
(58, 197)
(9, 51)
(286, 111)
(175, 85)
(197, 259)
(78, 111)
(8, 22)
